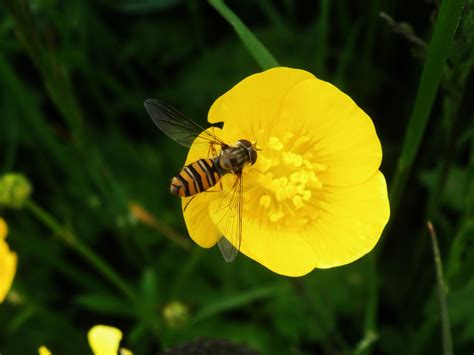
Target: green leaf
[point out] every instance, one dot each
(258, 51)
(234, 301)
(149, 287)
(105, 303)
(438, 50)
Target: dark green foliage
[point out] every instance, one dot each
(74, 76)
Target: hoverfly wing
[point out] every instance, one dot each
(229, 221)
(228, 251)
(176, 125)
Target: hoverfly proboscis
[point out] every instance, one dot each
(203, 174)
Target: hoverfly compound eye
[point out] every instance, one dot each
(245, 143)
(250, 150)
(253, 155)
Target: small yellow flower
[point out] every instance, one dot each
(315, 197)
(43, 350)
(104, 340)
(8, 261)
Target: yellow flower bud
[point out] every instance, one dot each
(15, 189)
(176, 314)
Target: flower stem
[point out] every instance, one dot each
(82, 249)
(258, 51)
(370, 336)
(443, 306)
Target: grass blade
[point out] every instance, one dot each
(322, 36)
(232, 302)
(438, 50)
(443, 306)
(258, 51)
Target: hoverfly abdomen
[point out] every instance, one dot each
(195, 178)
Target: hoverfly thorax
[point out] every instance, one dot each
(234, 158)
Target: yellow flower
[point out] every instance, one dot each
(43, 350)
(8, 262)
(104, 340)
(315, 197)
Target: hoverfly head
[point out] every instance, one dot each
(251, 150)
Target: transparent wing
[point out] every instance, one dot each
(229, 221)
(176, 125)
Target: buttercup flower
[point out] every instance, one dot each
(315, 197)
(43, 350)
(8, 262)
(104, 340)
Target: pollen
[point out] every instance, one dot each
(286, 176)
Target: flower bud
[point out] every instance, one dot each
(176, 314)
(15, 189)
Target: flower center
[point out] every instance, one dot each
(284, 182)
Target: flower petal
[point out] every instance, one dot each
(43, 350)
(350, 222)
(282, 251)
(344, 136)
(196, 208)
(104, 340)
(201, 229)
(8, 262)
(3, 229)
(249, 108)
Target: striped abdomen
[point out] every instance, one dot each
(195, 177)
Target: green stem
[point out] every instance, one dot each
(443, 305)
(322, 35)
(263, 57)
(82, 249)
(370, 336)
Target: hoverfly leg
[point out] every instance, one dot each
(188, 202)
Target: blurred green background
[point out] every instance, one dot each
(74, 75)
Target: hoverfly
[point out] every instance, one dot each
(203, 174)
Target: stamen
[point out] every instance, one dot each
(287, 176)
(275, 216)
(265, 201)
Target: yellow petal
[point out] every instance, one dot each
(43, 350)
(3, 229)
(350, 222)
(196, 208)
(8, 262)
(198, 221)
(249, 108)
(104, 340)
(124, 351)
(282, 251)
(343, 136)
